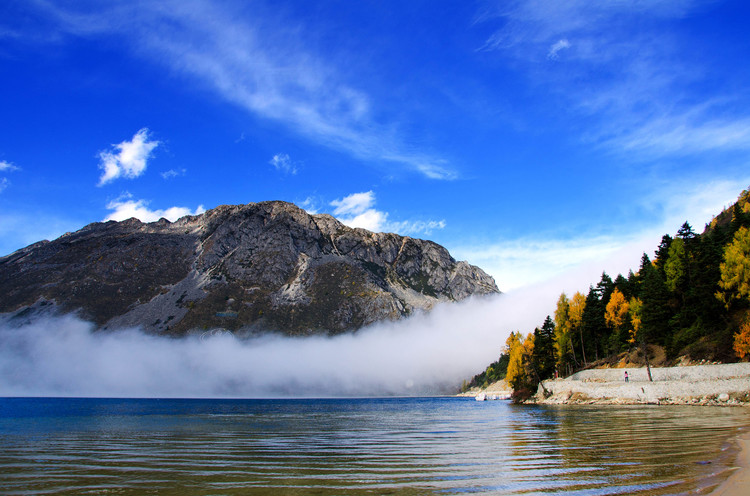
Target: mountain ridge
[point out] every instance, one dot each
(267, 266)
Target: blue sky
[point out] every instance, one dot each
(532, 138)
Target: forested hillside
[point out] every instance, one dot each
(691, 300)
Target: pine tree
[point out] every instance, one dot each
(656, 312)
(544, 350)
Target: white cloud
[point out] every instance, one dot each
(263, 66)
(283, 163)
(354, 204)
(127, 159)
(686, 133)
(172, 173)
(125, 208)
(309, 205)
(578, 261)
(555, 49)
(631, 72)
(416, 226)
(7, 166)
(357, 210)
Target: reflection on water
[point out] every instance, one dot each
(360, 446)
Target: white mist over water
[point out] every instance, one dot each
(426, 354)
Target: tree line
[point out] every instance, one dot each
(691, 299)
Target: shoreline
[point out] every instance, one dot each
(738, 482)
(702, 385)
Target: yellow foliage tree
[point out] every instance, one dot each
(520, 366)
(562, 331)
(528, 358)
(515, 373)
(635, 307)
(742, 340)
(575, 316)
(735, 270)
(616, 310)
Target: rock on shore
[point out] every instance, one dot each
(724, 384)
(499, 390)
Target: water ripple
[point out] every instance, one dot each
(376, 446)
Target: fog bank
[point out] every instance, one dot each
(425, 354)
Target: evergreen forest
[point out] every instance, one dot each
(688, 303)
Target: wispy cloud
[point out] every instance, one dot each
(126, 207)
(172, 173)
(628, 70)
(358, 210)
(283, 163)
(578, 260)
(7, 166)
(126, 159)
(556, 48)
(266, 69)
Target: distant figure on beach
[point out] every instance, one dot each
(626, 376)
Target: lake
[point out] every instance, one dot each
(403, 446)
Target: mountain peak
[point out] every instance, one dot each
(267, 266)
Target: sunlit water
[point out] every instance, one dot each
(358, 446)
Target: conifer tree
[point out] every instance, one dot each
(544, 349)
(735, 270)
(656, 311)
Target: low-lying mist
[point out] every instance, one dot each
(429, 353)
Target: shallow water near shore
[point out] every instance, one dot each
(404, 446)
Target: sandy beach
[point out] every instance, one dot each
(738, 483)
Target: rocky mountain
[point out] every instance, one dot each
(266, 266)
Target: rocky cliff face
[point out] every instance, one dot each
(266, 266)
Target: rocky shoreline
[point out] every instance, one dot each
(715, 385)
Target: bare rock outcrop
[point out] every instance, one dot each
(266, 266)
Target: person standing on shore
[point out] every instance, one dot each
(626, 376)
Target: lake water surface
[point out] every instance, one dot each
(358, 446)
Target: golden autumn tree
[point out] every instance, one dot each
(528, 362)
(615, 315)
(521, 373)
(575, 318)
(742, 340)
(635, 309)
(563, 345)
(515, 374)
(735, 270)
(616, 310)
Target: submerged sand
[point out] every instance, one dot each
(738, 484)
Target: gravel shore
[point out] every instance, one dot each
(722, 384)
